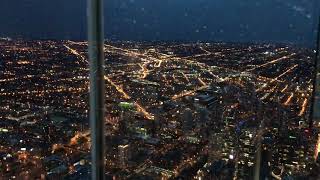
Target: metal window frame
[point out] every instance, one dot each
(315, 99)
(95, 18)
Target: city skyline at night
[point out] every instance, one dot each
(170, 90)
(158, 97)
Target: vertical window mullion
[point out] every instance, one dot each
(97, 87)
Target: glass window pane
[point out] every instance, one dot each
(194, 89)
(211, 89)
(43, 90)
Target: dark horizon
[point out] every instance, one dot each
(272, 21)
(291, 44)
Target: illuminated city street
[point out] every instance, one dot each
(174, 110)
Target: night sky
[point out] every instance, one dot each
(291, 21)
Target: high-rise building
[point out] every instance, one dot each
(187, 120)
(203, 114)
(124, 155)
(155, 125)
(125, 116)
